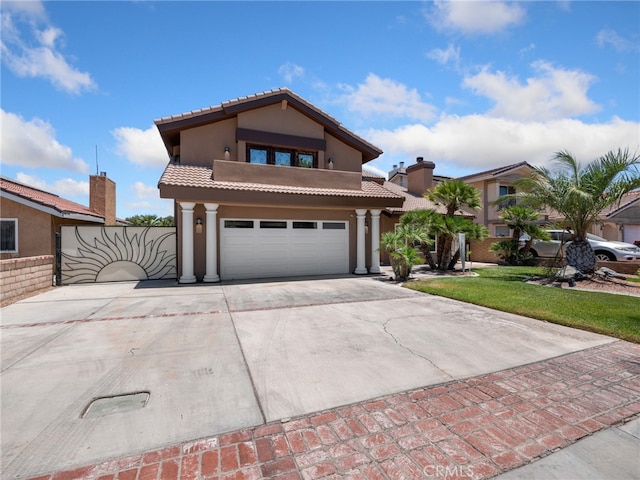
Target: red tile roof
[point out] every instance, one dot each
(202, 177)
(45, 199)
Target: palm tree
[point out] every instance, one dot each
(402, 253)
(446, 229)
(452, 194)
(580, 193)
(521, 219)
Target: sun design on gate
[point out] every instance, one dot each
(120, 253)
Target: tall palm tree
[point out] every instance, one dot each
(580, 193)
(452, 194)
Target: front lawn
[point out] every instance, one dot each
(503, 288)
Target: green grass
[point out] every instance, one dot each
(503, 288)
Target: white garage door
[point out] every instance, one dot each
(261, 248)
(631, 233)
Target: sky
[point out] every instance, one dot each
(468, 85)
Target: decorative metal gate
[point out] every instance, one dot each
(90, 254)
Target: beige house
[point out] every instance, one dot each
(31, 217)
(493, 184)
(267, 186)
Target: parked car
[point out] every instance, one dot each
(603, 248)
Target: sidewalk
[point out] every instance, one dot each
(475, 428)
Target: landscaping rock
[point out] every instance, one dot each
(607, 272)
(569, 274)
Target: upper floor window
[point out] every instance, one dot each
(281, 156)
(507, 190)
(9, 235)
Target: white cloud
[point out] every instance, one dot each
(145, 192)
(142, 147)
(475, 17)
(384, 97)
(478, 142)
(552, 93)
(32, 144)
(289, 71)
(449, 56)
(65, 187)
(40, 57)
(608, 36)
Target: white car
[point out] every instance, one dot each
(603, 248)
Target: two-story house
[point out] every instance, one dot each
(269, 185)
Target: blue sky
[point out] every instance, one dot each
(468, 85)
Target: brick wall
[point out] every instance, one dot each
(625, 268)
(20, 276)
(480, 249)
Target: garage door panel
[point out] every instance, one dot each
(268, 250)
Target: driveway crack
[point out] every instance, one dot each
(401, 345)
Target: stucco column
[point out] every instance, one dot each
(360, 245)
(187, 243)
(375, 241)
(211, 274)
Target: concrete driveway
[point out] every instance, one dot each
(207, 359)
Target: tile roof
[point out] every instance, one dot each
(413, 201)
(626, 202)
(496, 171)
(45, 199)
(202, 177)
(168, 126)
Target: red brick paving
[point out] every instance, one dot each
(474, 428)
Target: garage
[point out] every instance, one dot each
(259, 248)
(631, 233)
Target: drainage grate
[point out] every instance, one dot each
(101, 406)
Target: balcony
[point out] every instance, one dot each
(231, 171)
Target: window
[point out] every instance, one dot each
(280, 156)
(333, 226)
(238, 224)
(9, 235)
(307, 225)
(502, 231)
(507, 190)
(272, 224)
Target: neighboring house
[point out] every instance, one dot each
(398, 175)
(31, 217)
(267, 186)
(493, 184)
(621, 222)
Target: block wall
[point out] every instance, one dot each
(20, 276)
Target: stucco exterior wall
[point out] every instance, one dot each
(21, 276)
(276, 120)
(35, 235)
(344, 156)
(201, 145)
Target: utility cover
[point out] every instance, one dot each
(103, 406)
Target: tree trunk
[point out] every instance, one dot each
(426, 251)
(454, 260)
(580, 255)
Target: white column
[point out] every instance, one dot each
(187, 243)
(211, 274)
(360, 245)
(375, 241)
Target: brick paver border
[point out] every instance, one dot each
(474, 428)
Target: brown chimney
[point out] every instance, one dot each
(420, 176)
(102, 197)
